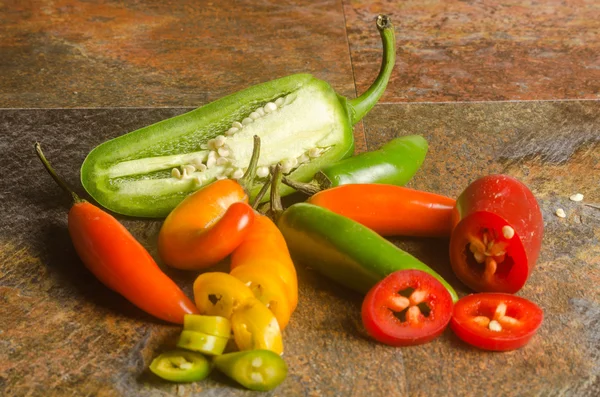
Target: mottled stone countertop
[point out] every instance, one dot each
(495, 87)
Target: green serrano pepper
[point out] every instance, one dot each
(344, 250)
(395, 163)
(302, 122)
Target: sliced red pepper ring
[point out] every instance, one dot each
(408, 307)
(203, 343)
(496, 321)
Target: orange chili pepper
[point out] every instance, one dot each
(390, 210)
(119, 261)
(263, 262)
(210, 223)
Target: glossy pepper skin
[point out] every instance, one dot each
(210, 223)
(498, 234)
(301, 120)
(344, 250)
(206, 227)
(120, 262)
(395, 163)
(391, 210)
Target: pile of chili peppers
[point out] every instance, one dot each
(236, 321)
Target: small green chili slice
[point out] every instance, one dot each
(181, 366)
(210, 325)
(201, 342)
(260, 370)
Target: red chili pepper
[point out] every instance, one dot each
(408, 307)
(496, 321)
(498, 234)
(209, 224)
(119, 261)
(390, 210)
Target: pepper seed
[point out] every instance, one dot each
(223, 152)
(279, 101)
(260, 111)
(576, 197)
(561, 213)
(237, 124)
(495, 326)
(508, 232)
(231, 131)
(270, 107)
(254, 115)
(175, 173)
(262, 172)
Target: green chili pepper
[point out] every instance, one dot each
(260, 370)
(202, 343)
(344, 250)
(181, 366)
(395, 163)
(211, 325)
(303, 124)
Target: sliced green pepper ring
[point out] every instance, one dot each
(181, 366)
(201, 342)
(211, 325)
(260, 370)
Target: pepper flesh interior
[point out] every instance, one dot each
(487, 254)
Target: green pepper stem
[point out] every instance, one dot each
(360, 106)
(307, 188)
(54, 175)
(247, 180)
(276, 206)
(262, 193)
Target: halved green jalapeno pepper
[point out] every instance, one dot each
(302, 122)
(344, 250)
(202, 343)
(260, 370)
(181, 366)
(211, 325)
(395, 163)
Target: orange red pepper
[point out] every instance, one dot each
(209, 224)
(119, 261)
(390, 210)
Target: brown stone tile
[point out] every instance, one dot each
(480, 51)
(63, 333)
(75, 53)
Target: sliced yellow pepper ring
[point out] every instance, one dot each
(211, 325)
(201, 342)
(218, 294)
(255, 327)
(267, 288)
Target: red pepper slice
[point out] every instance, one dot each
(496, 321)
(408, 307)
(498, 234)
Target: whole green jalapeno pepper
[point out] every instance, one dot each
(344, 250)
(302, 122)
(395, 163)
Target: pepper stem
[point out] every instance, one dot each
(54, 175)
(309, 188)
(247, 180)
(276, 206)
(262, 193)
(360, 106)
